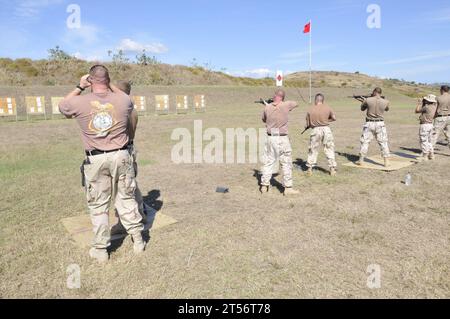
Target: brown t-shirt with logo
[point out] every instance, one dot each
(443, 107)
(319, 115)
(428, 113)
(276, 117)
(103, 119)
(375, 106)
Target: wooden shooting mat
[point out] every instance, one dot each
(8, 106)
(140, 103)
(397, 161)
(80, 227)
(35, 104)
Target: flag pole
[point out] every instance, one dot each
(310, 62)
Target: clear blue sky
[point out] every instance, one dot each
(247, 37)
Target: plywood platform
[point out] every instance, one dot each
(80, 227)
(397, 160)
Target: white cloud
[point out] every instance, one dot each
(439, 16)
(300, 56)
(255, 73)
(418, 58)
(130, 46)
(96, 56)
(32, 8)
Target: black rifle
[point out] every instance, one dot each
(363, 97)
(264, 102)
(306, 129)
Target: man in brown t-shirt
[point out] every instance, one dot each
(426, 107)
(278, 147)
(442, 120)
(103, 117)
(375, 107)
(318, 119)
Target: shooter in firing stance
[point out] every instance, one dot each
(103, 116)
(375, 106)
(318, 119)
(278, 146)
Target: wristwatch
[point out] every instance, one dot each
(80, 88)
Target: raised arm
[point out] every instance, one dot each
(64, 104)
(419, 107)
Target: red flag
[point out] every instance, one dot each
(307, 28)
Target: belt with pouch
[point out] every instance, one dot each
(443, 115)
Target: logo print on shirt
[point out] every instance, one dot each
(102, 120)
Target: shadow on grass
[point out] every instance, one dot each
(301, 165)
(152, 205)
(412, 150)
(273, 181)
(349, 157)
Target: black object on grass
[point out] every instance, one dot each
(222, 190)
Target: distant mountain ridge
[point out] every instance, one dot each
(25, 72)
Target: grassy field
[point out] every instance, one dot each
(241, 244)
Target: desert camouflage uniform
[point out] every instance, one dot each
(441, 124)
(377, 130)
(321, 135)
(277, 148)
(442, 120)
(102, 174)
(426, 136)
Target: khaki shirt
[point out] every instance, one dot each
(320, 115)
(443, 107)
(276, 117)
(428, 113)
(103, 119)
(375, 107)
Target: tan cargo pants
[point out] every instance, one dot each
(377, 130)
(111, 177)
(277, 149)
(138, 193)
(321, 135)
(441, 125)
(426, 138)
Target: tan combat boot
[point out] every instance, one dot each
(333, 171)
(360, 162)
(309, 172)
(288, 191)
(423, 158)
(431, 157)
(387, 163)
(100, 254)
(264, 189)
(138, 243)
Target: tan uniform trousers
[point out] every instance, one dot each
(111, 177)
(426, 138)
(441, 125)
(138, 193)
(377, 130)
(277, 149)
(321, 136)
